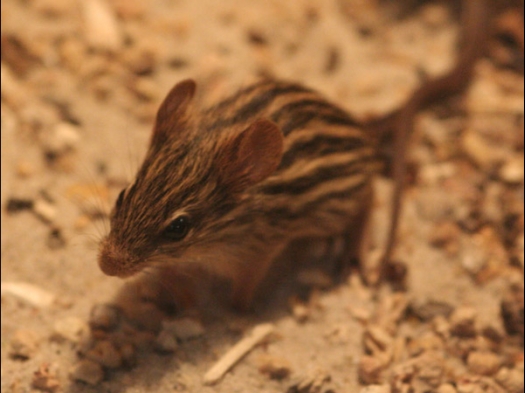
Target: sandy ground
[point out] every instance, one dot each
(81, 82)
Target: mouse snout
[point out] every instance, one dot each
(115, 262)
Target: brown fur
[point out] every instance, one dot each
(271, 164)
(246, 196)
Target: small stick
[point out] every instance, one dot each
(236, 353)
(30, 293)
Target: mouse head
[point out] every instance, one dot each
(185, 201)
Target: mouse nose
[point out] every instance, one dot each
(114, 262)
(108, 265)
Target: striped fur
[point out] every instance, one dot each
(320, 186)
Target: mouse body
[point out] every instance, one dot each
(228, 188)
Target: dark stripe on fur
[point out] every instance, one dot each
(298, 114)
(319, 146)
(252, 109)
(315, 178)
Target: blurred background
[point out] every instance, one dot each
(81, 83)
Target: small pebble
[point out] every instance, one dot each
(446, 235)
(441, 326)
(313, 382)
(143, 315)
(446, 388)
(184, 329)
(483, 363)
(377, 339)
(314, 278)
(13, 92)
(105, 354)
(428, 341)
(45, 210)
(478, 385)
(71, 329)
(487, 94)
(512, 380)
(491, 243)
(361, 314)
(494, 333)
(433, 174)
(23, 345)
(101, 27)
(300, 311)
(404, 371)
(473, 258)
(88, 371)
(129, 355)
(143, 62)
(370, 369)
(512, 170)
(273, 366)
(462, 322)
(72, 52)
(44, 379)
(166, 342)
(143, 340)
(429, 370)
(480, 150)
(86, 343)
(427, 310)
(63, 137)
(24, 169)
(145, 89)
(104, 317)
(376, 389)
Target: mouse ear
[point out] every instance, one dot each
(251, 156)
(173, 109)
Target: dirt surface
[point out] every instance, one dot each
(81, 82)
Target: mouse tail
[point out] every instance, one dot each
(395, 128)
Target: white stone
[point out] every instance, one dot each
(101, 27)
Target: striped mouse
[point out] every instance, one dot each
(231, 186)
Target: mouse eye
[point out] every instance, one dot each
(178, 228)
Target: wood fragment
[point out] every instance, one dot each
(30, 293)
(237, 352)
